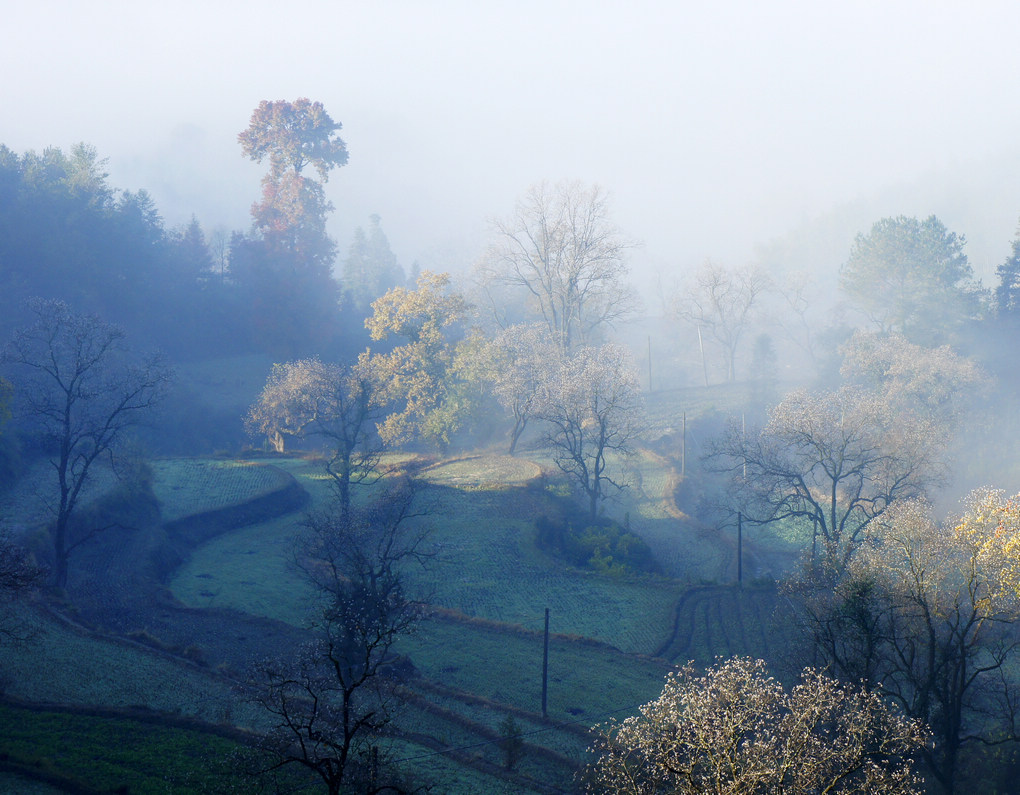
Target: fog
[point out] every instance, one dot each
(716, 127)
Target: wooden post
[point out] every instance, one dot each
(649, 363)
(545, 667)
(683, 448)
(740, 549)
(704, 364)
(743, 438)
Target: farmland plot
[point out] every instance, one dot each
(27, 504)
(64, 665)
(188, 486)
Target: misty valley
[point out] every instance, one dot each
(283, 515)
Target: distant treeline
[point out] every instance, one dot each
(66, 233)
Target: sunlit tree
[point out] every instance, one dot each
(525, 359)
(331, 402)
(935, 383)
(925, 613)
(831, 462)
(419, 377)
(736, 730)
(592, 412)
(284, 267)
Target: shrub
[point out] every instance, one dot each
(606, 546)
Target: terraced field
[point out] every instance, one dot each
(477, 660)
(189, 486)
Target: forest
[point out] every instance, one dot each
(279, 514)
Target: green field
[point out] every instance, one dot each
(186, 486)
(477, 659)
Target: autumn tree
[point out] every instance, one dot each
(81, 392)
(722, 303)
(925, 614)
(736, 730)
(329, 707)
(332, 402)
(419, 377)
(285, 266)
(561, 251)
(591, 408)
(830, 462)
(912, 277)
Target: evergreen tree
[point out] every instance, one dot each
(1007, 294)
(371, 267)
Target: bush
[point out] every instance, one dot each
(604, 546)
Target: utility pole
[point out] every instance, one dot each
(545, 667)
(704, 364)
(683, 448)
(740, 549)
(649, 363)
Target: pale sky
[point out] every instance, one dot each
(714, 126)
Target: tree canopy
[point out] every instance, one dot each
(284, 267)
(736, 730)
(419, 378)
(592, 410)
(924, 615)
(912, 277)
(294, 135)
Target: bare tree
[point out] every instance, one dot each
(722, 304)
(800, 298)
(562, 251)
(735, 730)
(592, 409)
(329, 707)
(81, 392)
(831, 461)
(335, 403)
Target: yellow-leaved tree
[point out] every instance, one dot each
(428, 380)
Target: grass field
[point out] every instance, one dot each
(496, 584)
(479, 658)
(104, 753)
(187, 486)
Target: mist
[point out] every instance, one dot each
(716, 130)
(699, 313)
